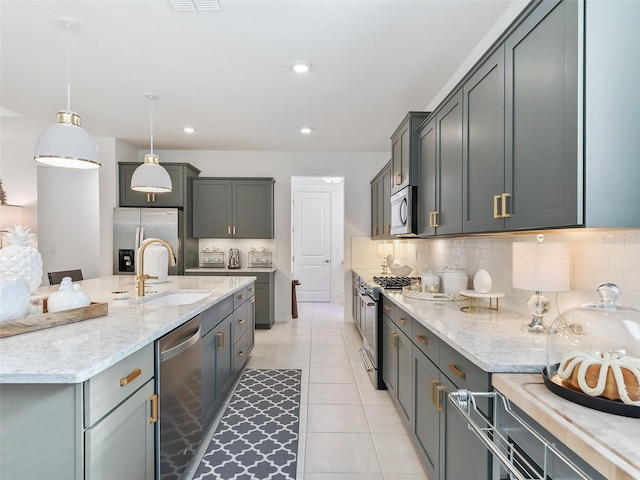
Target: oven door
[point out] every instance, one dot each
(370, 352)
(402, 212)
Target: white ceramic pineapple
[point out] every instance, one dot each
(18, 258)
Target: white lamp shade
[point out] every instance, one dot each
(67, 145)
(151, 177)
(541, 266)
(10, 215)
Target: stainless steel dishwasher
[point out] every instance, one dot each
(180, 390)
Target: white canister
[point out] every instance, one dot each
(430, 282)
(15, 296)
(156, 263)
(67, 297)
(454, 281)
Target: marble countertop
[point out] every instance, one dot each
(609, 443)
(231, 270)
(73, 353)
(494, 340)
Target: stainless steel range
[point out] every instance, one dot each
(367, 321)
(394, 283)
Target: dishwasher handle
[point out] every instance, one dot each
(181, 347)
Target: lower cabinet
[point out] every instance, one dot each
(397, 354)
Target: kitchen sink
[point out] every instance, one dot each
(175, 298)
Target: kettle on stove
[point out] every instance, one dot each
(234, 258)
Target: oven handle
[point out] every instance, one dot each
(464, 402)
(370, 302)
(366, 361)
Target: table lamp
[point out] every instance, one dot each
(384, 250)
(540, 266)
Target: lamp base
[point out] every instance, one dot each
(538, 305)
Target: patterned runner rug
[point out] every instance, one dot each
(257, 438)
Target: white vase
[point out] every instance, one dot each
(482, 281)
(156, 263)
(67, 297)
(15, 296)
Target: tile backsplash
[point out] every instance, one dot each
(596, 256)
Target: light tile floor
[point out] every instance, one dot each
(348, 430)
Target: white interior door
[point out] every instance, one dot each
(312, 245)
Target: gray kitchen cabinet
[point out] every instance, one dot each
(233, 207)
(381, 204)
(389, 358)
(440, 168)
(404, 152)
(180, 174)
(224, 356)
(483, 166)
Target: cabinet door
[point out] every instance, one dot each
(483, 141)
(426, 416)
(212, 206)
(209, 393)
(541, 122)
(132, 198)
(428, 178)
(459, 442)
(262, 306)
(224, 356)
(385, 202)
(122, 444)
(252, 208)
(374, 208)
(396, 162)
(251, 326)
(389, 362)
(449, 154)
(404, 357)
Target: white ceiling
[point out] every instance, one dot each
(227, 72)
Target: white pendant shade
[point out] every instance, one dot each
(151, 177)
(66, 144)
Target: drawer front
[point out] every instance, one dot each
(426, 341)
(462, 372)
(240, 322)
(251, 290)
(404, 322)
(240, 297)
(240, 354)
(109, 388)
(388, 308)
(215, 314)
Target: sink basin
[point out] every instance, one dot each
(176, 298)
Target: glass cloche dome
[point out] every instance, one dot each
(593, 355)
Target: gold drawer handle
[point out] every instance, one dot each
(392, 337)
(387, 308)
(457, 371)
(496, 199)
(252, 300)
(422, 339)
(241, 296)
(241, 353)
(131, 377)
(434, 384)
(252, 290)
(154, 408)
(398, 178)
(241, 321)
(440, 406)
(220, 340)
(402, 320)
(505, 213)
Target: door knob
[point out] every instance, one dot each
(326, 261)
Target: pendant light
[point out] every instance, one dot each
(151, 177)
(65, 143)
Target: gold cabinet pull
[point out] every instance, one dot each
(131, 377)
(434, 384)
(422, 339)
(234, 229)
(436, 221)
(402, 320)
(505, 213)
(439, 390)
(386, 308)
(252, 289)
(392, 337)
(154, 408)
(398, 178)
(252, 300)
(387, 229)
(496, 198)
(241, 296)
(457, 371)
(241, 353)
(229, 230)
(433, 219)
(375, 231)
(241, 321)
(220, 340)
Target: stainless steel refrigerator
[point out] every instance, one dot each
(131, 226)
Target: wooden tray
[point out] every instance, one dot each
(47, 319)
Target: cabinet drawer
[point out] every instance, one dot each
(251, 290)
(240, 322)
(112, 386)
(426, 341)
(404, 322)
(240, 354)
(240, 297)
(215, 314)
(388, 307)
(462, 371)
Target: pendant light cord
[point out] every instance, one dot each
(68, 69)
(151, 125)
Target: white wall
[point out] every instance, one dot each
(356, 168)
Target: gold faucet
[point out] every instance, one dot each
(141, 276)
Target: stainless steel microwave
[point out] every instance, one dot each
(403, 212)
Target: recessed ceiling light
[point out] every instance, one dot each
(301, 67)
(187, 5)
(188, 129)
(306, 130)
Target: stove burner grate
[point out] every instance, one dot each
(394, 282)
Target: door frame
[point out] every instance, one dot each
(336, 190)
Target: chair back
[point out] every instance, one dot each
(55, 278)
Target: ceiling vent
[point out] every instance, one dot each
(190, 5)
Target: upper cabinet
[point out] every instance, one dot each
(381, 204)
(177, 197)
(232, 207)
(404, 152)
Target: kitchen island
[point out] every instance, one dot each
(80, 400)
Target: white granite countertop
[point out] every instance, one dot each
(231, 270)
(73, 353)
(609, 443)
(494, 340)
